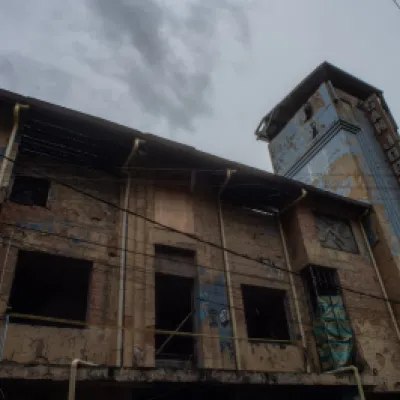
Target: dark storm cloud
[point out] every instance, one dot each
(171, 74)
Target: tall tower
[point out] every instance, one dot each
(336, 132)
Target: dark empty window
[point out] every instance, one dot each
(321, 281)
(308, 112)
(174, 312)
(265, 312)
(50, 286)
(30, 191)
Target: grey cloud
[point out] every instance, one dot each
(171, 81)
(45, 82)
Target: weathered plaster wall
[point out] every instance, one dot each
(259, 237)
(383, 192)
(335, 168)
(84, 220)
(246, 232)
(298, 135)
(377, 343)
(146, 198)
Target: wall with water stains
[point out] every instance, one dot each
(245, 232)
(258, 235)
(346, 158)
(74, 225)
(299, 133)
(70, 225)
(378, 347)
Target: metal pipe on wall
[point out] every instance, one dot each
(381, 284)
(229, 173)
(122, 269)
(291, 280)
(357, 377)
(73, 373)
(17, 108)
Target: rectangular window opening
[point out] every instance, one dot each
(174, 312)
(332, 329)
(265, 311)
(30, 191)
(320, 281)
(47, 285)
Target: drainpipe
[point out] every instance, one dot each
(122, 269)
(354, 370)
(229, 173)
(3, 271)
(291, 280)
(381, 284)
(17, 108)
(72, 376)
(4, 335)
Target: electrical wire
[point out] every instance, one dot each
(191, 236)
(213, 302)
(396, 3)
(297, 274)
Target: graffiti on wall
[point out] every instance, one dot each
(214, 308)
(300, 132)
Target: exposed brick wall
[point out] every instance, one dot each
(377, 344)
(71, 214)
(74, 215)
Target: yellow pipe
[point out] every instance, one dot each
(290, 273)
(122, 270)
(357, 377)
(72, 376)
(6, 158)
(156, 331)
(294, 292)
(381, 284)
(229, 173)
(290, 205)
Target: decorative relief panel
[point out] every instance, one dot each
(336, 234)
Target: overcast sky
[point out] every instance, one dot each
(201, 72)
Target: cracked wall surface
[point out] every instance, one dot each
(67, 226)
(71, 221)
(348, 158)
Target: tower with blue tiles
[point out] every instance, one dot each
(336, 132)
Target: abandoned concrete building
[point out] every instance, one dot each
(132, 266)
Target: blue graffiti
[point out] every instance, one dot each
(214, 306)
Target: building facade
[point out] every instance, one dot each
(336, 132)
(136, 267)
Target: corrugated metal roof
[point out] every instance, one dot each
(113, 142)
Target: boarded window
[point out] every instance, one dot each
(175, 261)
(265, 313)
(51, 286)
(336, 233)
(30, 191)
(174, 208)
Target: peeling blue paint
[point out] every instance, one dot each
(297, 154)
(213, 305)
(297, 137)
